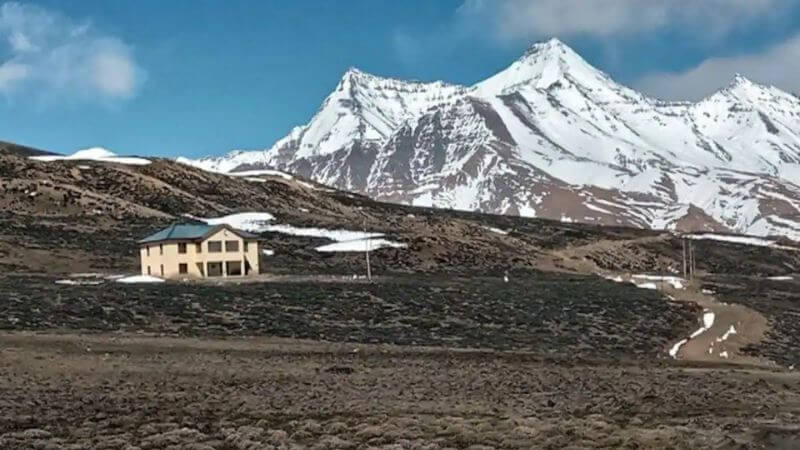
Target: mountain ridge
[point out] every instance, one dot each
(552, 136)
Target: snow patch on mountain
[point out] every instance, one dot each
(94, 154)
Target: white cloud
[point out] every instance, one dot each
(777, 65)
(54, 56)
(10, 73)
(527, 19)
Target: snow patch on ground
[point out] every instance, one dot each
(268, 252)
(306, 185)
(617, 278)
(648, 285)
(675, 282)
(258, 173)
(334, 235)
(782, 278)
(140, 279)
(79, 282)
(673, 352)
(360, 245)
(496, 230)
(731, 331)
(94, 154)
(708, 319)
(744, 240)
(345, 240)
(708, 322)
(249, 221)
(724, 354)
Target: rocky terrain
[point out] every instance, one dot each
(116, 392)
(485, 331)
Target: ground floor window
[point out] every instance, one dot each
(233, 268)
(183, 268)
(214, 269)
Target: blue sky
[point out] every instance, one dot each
(202, 77)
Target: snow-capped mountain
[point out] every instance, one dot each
(552, 136)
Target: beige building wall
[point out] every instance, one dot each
(165, 256)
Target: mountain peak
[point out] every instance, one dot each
(542, 65)
(554, 46)
(743, 88)
(354, 73)
(740, 80)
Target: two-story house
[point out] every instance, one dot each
(200, 251)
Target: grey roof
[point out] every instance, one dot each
(190, 231)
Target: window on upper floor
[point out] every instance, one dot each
(182, 248)
(231, 246)
(214, 246)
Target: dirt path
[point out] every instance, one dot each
(733, 327)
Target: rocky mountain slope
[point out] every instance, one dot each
(551, 136)
(67, 215)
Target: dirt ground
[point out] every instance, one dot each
(569, 359)
(135, 392)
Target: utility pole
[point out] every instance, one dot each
(683, 244)
(366, 252)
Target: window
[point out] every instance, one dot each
(231, 246)
(160, 249)
(214, 269)
(214, 246)
(233, 268)
(245, 247)
(148, 250)
(183, 269)
(162, 270)
(182, 248)
(148, 270)
(198, 248)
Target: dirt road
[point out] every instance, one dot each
(732, 326)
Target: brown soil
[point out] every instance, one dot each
(125, 392)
